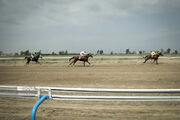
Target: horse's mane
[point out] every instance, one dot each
(89, 54)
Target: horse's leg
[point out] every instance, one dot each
(84, 63)
(74, 62)
(38, 62)
(27, 61)
(151, 60)
(88, 62)
(145, 60)
(71, 62)
(156, 61)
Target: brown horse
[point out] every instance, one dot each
(80, 58)
(155, 57)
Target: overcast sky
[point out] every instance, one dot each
(76, 25)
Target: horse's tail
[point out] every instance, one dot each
(71, 58)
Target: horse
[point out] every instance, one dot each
(155, 57)
(80, 58)
(35, 59)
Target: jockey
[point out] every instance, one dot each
(33, 54)
(83, 53)
(153, 53)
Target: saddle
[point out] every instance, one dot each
(153, 56)
(31, 58)
(80, 57)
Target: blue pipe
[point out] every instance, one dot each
(42, 98)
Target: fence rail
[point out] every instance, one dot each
(29, 91)
(35, 92)
(61, 89)
(118, 98)
(25, 95)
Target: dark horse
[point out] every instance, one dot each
(155, 57)
(35, 59)
(80, 58)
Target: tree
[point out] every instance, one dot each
(66, 52)
(127, 51)
(98, 51)
(140, 52)
(61, 52)
(1, 53)
(111, 53)
(168, 51)
(101, 52)
(53, 53)
(25, 53)
(176, 52)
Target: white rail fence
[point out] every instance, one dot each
(39, 92)
(36, 92)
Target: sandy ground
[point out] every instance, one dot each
(103, 73)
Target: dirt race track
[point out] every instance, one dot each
(103, 73)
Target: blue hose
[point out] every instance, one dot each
(42, 98)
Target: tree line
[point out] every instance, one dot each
(98, 52)
(168, 51)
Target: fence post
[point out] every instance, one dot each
(42, 98)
